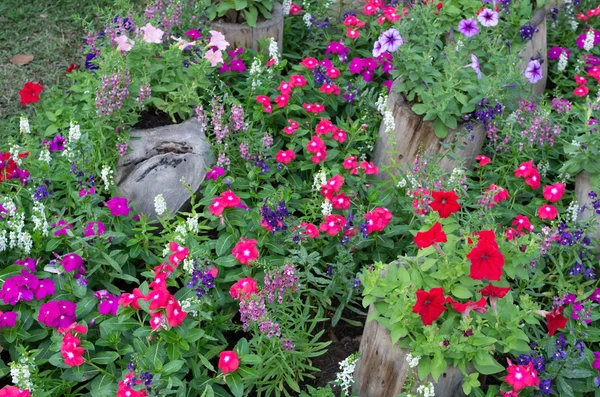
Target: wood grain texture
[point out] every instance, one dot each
(249, 37)
(411, 132)
(382, 369)
(583, 185)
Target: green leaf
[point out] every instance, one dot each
(486, 365)
(251, 15)
(240, 4)
(420, 108)
(577, 373)
(251, 359)
(461, 292)
(172, 367)
(106, 357)
(440, 129)
(224, 244)
(235, 384)
(438, 366)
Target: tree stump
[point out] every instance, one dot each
(159, 158)
(382, 369)
(411, 132)
(583, 185)
(248, 37)
(537, 47)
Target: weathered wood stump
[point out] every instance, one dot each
(411, 132)
(583, 185)
(159, 158)
(382, 369)
(537, 47)
(245, 36)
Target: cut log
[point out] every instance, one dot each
(245, 36)
(159, 158)
(537, 48)
(583, 185)
(382, 369)
(411, 132)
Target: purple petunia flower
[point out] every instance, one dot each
(487, 18)
(533, 72)
(56, 144)
(475, 65)
(468, 27)
(377, 49)
(390, 40)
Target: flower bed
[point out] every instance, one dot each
(291, 234)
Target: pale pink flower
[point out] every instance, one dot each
(123, 43)
(217, 39)
(152, 34)
(214, 57)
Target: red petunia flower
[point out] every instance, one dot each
(556, 320)
(445, 203)
(430, 305)
(30, 93)
(486, 261)
(433, 235)
(72, 67)
(494, 293)
(465, 308)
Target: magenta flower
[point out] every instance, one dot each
(388, 85)
(29, 263)
(193, 34)
(84, 192)
(215, 173)
(595, 295)
(107, 302)
(356, 65)
(237, 65)
(63, 227)
(8, 319)
(533, 72)
(94, 229)
(57, 314)
(596, 363)
(118, 206)
(554, 52)
(581, 39)
(72, 262)
(16, 289)
(488, 18)
(45, 288)
(468, 27)
(56, 144)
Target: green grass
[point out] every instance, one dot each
(53, 32)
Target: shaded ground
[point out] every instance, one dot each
(50, 30)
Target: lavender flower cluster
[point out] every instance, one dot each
(114, 90)
(275, 219)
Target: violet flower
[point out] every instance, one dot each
(45, 288)
(533, 72)
(475, 65)
(72, 262)
(468, 27)
(390, 40)
(215, 173)
(487, 18)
